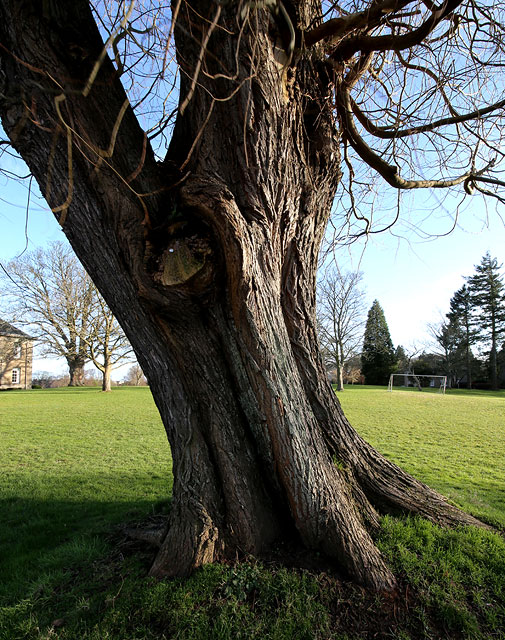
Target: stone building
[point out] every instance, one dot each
(16, 355)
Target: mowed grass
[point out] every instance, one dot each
(76, 462)
(455, 442)
(73, 463)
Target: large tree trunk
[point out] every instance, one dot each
(106, 381)
(76, 371)
(212, 276)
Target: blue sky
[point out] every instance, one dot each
(413, 279)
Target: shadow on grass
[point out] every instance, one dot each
(49, 536)
(451, 586)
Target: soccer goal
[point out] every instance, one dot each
(417, 381)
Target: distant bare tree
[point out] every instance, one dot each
(107, 345)
(135, 377)
(448, 344)
(405, 355)
(43, 379)
(50, 291)
(341, 316)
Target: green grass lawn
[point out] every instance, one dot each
(76, 462)
(454, 442)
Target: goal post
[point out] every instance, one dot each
(416, 380)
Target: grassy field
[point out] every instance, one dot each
(75, 463)
(454, 442)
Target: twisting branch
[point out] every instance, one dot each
(366, 153)
(487, 180)
(393, 42)
(358, 70)
(337, 28)
(390, 133)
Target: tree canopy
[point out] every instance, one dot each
(416, 88)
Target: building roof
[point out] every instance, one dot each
(7, 329)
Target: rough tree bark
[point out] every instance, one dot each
(76, 371)
(106, 382)
(340, 383)
(209, 261)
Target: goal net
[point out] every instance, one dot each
(417, 381)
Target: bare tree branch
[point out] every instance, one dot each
(389, 172)
(393, 42)
(388, 133)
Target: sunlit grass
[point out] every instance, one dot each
(453, 442)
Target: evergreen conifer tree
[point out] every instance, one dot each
(450, 340)
(488, 296)
(401, 360)
(461, 319)
(378, 358)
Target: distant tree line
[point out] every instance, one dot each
(49, 292)
(134, 377)
(47, 380)
(470, 341)
(355, 347)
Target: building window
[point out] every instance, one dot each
(18, 351)
(16, 376)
